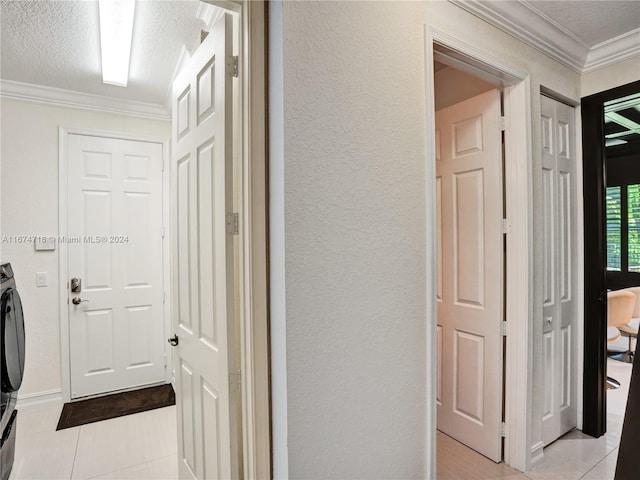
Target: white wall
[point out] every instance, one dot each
(353, 164)
(29, 206)
(612, 76)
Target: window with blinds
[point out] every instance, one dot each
(633, 226)
(614, 229)
(623, 228)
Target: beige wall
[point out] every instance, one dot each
(610, 77)
(453, 86)
(29, 206)
(353, 174)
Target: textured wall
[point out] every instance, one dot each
(611, 76)
(354, 236)
(29, 206)
(354, 229)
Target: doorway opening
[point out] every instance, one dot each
(471, 289)
(604, 258)
(514, 421)
(244, 221)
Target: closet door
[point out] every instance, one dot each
(559, 367)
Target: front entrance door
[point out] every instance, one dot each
(115, 303)
(470, 274)
(204, 360)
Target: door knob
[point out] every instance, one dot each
(78, 300)
(173, 340)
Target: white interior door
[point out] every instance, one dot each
(114, 221)
(202, 261)
(470, 284)
(559, 308)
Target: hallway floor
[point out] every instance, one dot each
(143, 446)
(574, 456)
(140, 446)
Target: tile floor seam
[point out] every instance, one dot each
(596, 465)
(129, 467)
(75, 453)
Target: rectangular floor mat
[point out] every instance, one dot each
(115, 405)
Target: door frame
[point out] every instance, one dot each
(252, 269)
(63, 256)
(595, 302)
(518, 180)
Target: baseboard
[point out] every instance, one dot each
(37, 399)
(537, 454)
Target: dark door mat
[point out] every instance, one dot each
(115, 405)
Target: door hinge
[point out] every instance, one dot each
(504, 124)
(165, 359)
(235, 381)
(232, 66)
(506, 226)
(164, 297)
(503, 430)
(503, 329)
(233, 224)
(163, 232)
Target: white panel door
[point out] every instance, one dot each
(202, 262)
(116, 333)
(559, 277)
(470, 291)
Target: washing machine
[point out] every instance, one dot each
(12, 367)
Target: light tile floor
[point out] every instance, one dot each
(143, 446)
(140, 446)
(574, 456)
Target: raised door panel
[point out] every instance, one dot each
(549, 237)
(182, 246)
(468, 393)
(439, 236)
(97, 256)
(469, 237)
(439, 366)
(565, 271)
(98, 345)
(141, 348)
(548, 365)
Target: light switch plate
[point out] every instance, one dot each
(45, 243)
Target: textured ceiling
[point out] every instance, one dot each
(57, 44)
(593, 22)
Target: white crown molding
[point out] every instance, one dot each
(613, 51)
(530, 26)
(85, 101)
(526, 23)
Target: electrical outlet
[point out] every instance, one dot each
(42, 279)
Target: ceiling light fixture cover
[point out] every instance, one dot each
(116, 32)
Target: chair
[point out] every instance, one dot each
(631, 329)
(620, 305)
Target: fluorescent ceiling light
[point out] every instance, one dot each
(116, 31)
